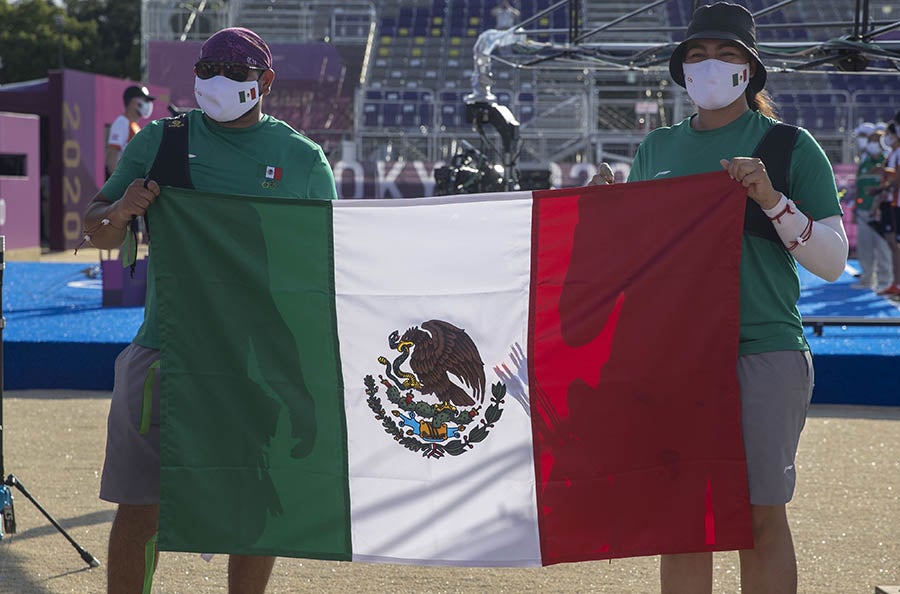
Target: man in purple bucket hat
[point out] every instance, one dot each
(228, 146)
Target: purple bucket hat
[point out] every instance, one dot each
(237, 44)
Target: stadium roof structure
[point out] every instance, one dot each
(869, 47)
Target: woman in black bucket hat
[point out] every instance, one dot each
(719, 65)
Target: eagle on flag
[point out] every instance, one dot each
(438, 349)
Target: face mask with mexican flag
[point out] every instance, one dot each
(225, 100)
(714, 84)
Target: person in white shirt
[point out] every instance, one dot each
(138, 104)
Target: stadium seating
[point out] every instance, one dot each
(420, 65)
(828, 104)
(429, 42)
(423, 60)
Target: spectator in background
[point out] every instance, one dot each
(138, 104)
(888, 204)
(862, 137)
(505, 14)
(872, 251)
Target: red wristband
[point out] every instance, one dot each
(787, 210)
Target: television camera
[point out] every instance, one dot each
(471, 171)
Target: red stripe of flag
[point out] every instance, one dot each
(633, 366)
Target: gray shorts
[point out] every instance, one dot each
(776, 389)
(131, 470)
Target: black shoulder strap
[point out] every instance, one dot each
(171, 165)
(775, 150)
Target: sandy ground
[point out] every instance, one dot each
(83, 254)
(845, 516)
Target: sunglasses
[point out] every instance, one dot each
(233, 70)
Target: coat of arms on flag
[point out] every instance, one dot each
(439, 350)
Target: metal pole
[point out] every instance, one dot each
(7, 512)
(60, 22)
(2, 325)
(8, 519)
(12, 481)
(618, 20)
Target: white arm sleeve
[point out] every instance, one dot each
(118, 133)
(824, 253)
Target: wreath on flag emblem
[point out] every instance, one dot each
(435, 351)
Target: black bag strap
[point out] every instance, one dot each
(775, 149)
(171, 166)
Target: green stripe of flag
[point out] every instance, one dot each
(250, 381)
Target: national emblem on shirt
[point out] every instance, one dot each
(269, 176)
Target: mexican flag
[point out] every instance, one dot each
(245, 96)
(269, 171)
(489, 380)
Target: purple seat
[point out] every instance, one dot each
(371, 114)
(426, 113)
(451, 115)
(409, 115)
(392, 114)
(526, 112)
(405, 18)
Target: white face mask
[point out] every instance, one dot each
(714, 84)
(223, 99)
(862, 141)
(145, 108)
(888, 141)
(874, 148)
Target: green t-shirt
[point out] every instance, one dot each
(267, 159)
(770, 285)
(865, 179)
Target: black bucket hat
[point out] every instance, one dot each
(721, 20)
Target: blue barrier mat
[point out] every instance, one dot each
(839, 299)
(59, 335)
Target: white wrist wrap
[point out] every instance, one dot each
(793, 227)
(821, 247)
